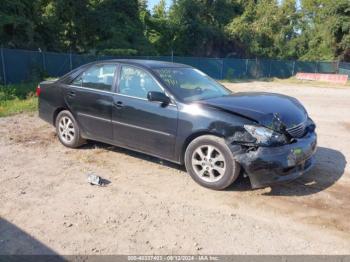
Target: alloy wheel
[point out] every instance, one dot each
(66, 129)
(208, 163)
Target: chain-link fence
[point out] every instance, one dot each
(21, 65)
(344, 68)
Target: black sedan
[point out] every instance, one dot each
(178, 113)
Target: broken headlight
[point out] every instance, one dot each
(265, 136)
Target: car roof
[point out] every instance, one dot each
(150, 64)
(147, 64)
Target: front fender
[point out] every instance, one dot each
(196, 120)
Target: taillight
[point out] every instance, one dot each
(38, 91)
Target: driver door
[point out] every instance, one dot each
(138, 123)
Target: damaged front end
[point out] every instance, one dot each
(270, 152)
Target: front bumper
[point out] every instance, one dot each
(270, 165)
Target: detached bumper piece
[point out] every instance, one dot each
(270, 165)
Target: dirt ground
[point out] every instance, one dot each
(154, 207)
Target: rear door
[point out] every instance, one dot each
(90, 99)
(138, 123)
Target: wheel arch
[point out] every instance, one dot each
(193, 136)
(56, 112)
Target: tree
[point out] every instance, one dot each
(327, 29)
(315, 30)
(160, 30)
(119, 26)
(340, 29)
(18, 21)
(198, 26)
(74, 23)
(267, 28)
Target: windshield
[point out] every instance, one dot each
(190, 84)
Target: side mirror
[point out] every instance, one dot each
(158, 97)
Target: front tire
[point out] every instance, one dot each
(210, 162)
(68, 130)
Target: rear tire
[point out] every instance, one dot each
(68, 130)
(210, 162)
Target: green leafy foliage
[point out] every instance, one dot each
(17, 98)
(15, 106)
(119, 52)
(283, 29)
(17, 91)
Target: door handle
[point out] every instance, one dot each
(71, 94)
(118, 104)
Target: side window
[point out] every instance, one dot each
(97, 77)
(136, 82)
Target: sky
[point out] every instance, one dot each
(152, 3)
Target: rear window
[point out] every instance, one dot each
(97, 77)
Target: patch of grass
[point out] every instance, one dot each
(245, 80)
(291, 80)
(15, 106)
(20, 91)
(17, 98)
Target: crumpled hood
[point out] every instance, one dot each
(268, 109)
